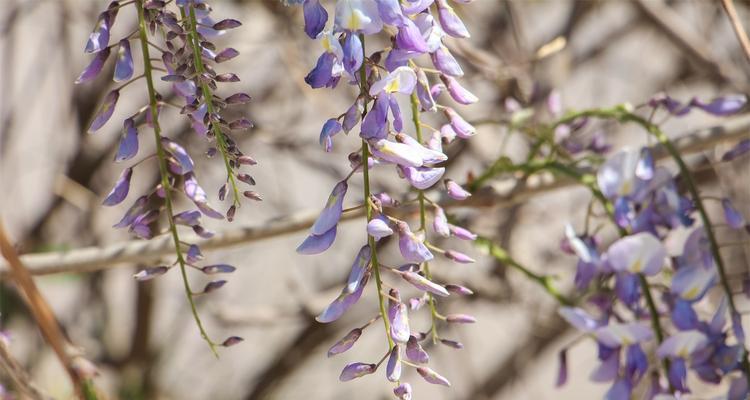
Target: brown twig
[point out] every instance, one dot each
(17, 374)
(40, 309)
(739, 30)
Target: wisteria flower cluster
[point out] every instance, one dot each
(638, 296)
(181, 34)
(416, 30)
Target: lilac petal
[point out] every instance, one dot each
(331, 213)
(133, 212)
(188, 218)
(403, 391)
(429, 156)
(227, 24)
(390, 12)
(397, 153)
(738, 389)
(226, 55)
(682, 344)
(683, 316)
(231, 341)
(616, 177)
(375, 123)
(352, 50)
(722, 106)
(460, 319)
(459, 290)
(195, 193)
(193, 254)
(422, 178)
(450, 22)
(440, 222)
(432, 377)
(410, 38)
(353, 114)
(238, 98)
(94, 68)
(185, 163)
(359, 269)
(562, 369)
(455, 191)
(645, 167)
(459, 257)
(423, 92)
(692, 282)
(411, 247)
(124, 64)
(636, 363)
(608, 369)
(356, 370)
(459, 93)
(315, 244)
(444, 61)
(424, 284)
(398, 318)
(339, 306)
(414, 351)
(401, 80)
(322, 74)
(378, 227)
(316, 17)
(677, 375)
(393, 368)
(462, 233)
(99, 37)
(720, 317)
(105, 111)
(620, 390)
(214, 285)
(738, 150)
(619, 334)
(218, 269)
(345, 343)
(128, 147)
(731, 215)
(639, 253)
(627, 288)
(330, 128)
(150, 273)
(398, 122)
(120, 190)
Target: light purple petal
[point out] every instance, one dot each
(315, 244)
(105, 111)
(331, 213)
(124, 63)
(120, 190)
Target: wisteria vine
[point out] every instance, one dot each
(185, 30)
(380, 78)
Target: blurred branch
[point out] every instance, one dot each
(97, 258)
(737, 26)
(23, 383)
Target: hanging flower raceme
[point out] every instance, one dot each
(384, 78)
(182, 33)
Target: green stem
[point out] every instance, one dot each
(208, 99)
(164, 172)
(423, 220)
(368, 205)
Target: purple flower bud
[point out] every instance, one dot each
(450, 22)
(579, 318)
(378, 227)
(99, 37)
(226, 24)
(452, 343)
(322, 74)
(429, 156)
(375, 124)
(393, 368)
(188, 218)
(351, 118)
(150, 273)
(352, 51)
(423, 92)
(459, 257)
(424, 284)
(722, 106)
(120, 191)
(315, 244)
(316, 17)
(562, 369)
(196, 193)
(246, 160)
(445, 62)
(202, 232)
(397, 153)
(462, 233)
(459, 93)
(455, 191)
(432, 377)
(332, 211)
(410, 38)
(345, 343)
(463, 129)
(416, 303)
(738, 150)
(398, 122)
(390, 12)
(731, 215)
(252, 195)
(214, 285)
(241, 124)
(226, 55)
(194, 254)
(218, 269)
(356, 370)
(460, 319)
(184, 162)
(128, 147)
(238, 98)
(459, 290)
(359, 269)
(124, 64)
(398, 318)
(338, 307)
(440, 222)
(330, 128)
(246, 179)
(403, 391)
(94, 68)
(677, 375)
(411, 247)
(414, 351)
(231, 341)
(447, 134)
(227, 77)
(422, 177)
(105, 111)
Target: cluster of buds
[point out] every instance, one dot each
(181, 33)
(661, 292)
(416, 30)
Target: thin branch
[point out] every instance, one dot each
(18, 375)
(739, 30)
(98, 258)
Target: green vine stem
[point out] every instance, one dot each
(163, 171)
(423, 219)
(623, 114)
(208, 98)
(368, 204)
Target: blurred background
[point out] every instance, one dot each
(141, 336)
